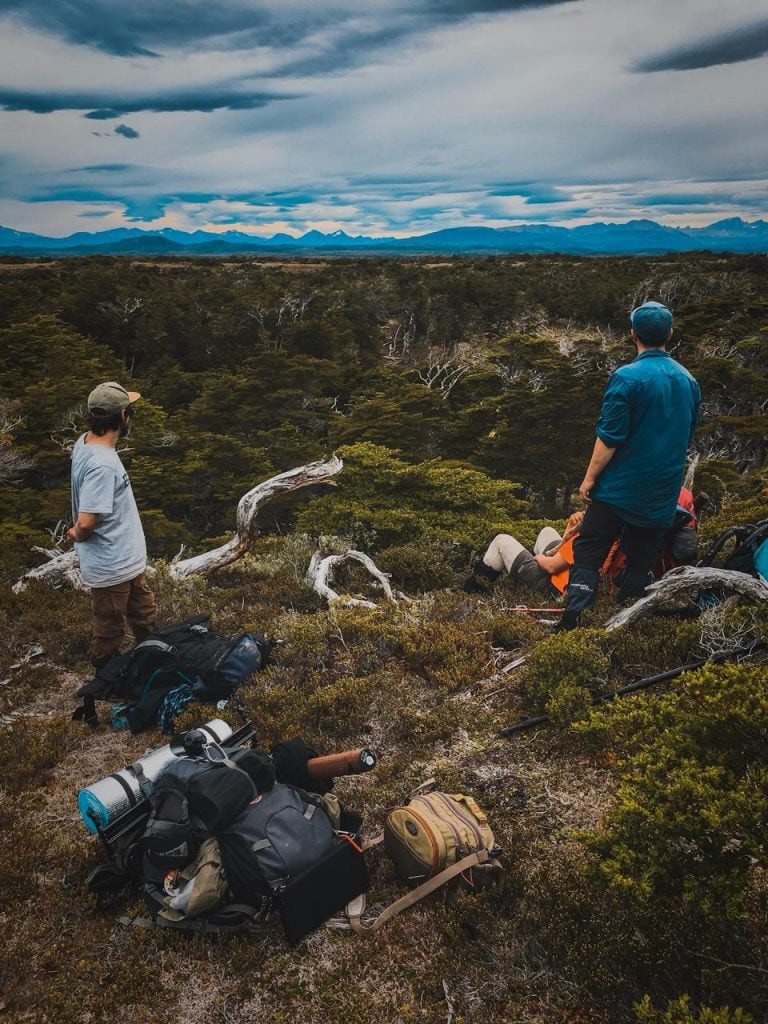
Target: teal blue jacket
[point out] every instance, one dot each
(650, 410)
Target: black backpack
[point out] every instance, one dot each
(172, 836)
(195, 797)
(157, 677)
(748, 545)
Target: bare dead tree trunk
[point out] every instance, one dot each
(683, 579)
(690, 473)
(62, 566)
(247, 509)
(60, 569)
(321, 569)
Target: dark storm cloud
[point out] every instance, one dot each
(138, 28)
(354, 46)
(144, 209)
(104, 108)
(532, 194)
(745, 43)
(104, 168)
(146, 28)
(466, 8)
(700, 200)
(126, 131)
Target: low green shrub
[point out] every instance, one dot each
(446, 653)
(510, 630)
(384, 501)
(565, 671)
(689, 815)
(29, 747)
(680, 1011)
(417, 567)
(653, 645)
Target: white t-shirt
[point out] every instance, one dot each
(116, 550)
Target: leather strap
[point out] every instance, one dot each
(356, 908)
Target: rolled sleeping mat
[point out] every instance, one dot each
(105, 800)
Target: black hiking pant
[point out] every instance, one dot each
(601, 526)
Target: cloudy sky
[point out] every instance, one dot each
(381, 117)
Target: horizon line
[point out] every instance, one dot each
(215, 230)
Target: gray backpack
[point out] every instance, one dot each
(283, 853)
(272, 840)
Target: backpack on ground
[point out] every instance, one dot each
(172, 837)
(284, 851)
(193, 798)
(197, 899)
(749, 553)
(158, 677)
(434, 839)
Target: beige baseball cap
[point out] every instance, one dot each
(111, 397)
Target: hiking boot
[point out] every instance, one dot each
(568, 621)
(482, 579)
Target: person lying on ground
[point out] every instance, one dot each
(547, 569)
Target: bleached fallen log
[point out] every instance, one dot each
(60, 569)
(247, 509)
(677, 582)
(321, 570)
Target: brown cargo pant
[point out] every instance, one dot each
(114, 608)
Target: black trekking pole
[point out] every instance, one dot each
(643, 684)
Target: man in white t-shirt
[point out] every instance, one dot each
(108, 535)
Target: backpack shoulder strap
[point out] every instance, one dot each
(356, 908)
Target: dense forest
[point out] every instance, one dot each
(462, 396)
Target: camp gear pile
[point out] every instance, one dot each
(111, 797)
(217, 844)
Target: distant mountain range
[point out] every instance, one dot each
(633, 237)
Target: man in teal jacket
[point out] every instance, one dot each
(650, 410)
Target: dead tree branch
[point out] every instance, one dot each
(60, 569)
(247, 509)
(62, 566)
(321, 570)
(678, 582)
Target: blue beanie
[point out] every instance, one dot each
(651, 322)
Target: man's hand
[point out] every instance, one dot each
(585, 488)
(83, 528)
(601, 456)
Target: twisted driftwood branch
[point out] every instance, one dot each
(321, 570)
(688, 577)
(62, 567)
(247, 508)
